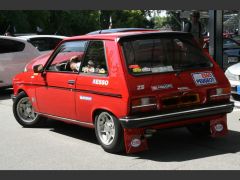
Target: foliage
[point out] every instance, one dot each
(173, 20)
(160, 22)
(71, 22)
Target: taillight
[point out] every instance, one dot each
(219, 93)
(145, 104)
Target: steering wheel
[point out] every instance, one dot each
(67, 66)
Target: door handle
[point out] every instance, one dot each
(72, 82)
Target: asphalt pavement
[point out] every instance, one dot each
(59, 146)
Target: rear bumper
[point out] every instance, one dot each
(176, 116)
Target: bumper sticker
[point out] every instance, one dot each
(204, 78)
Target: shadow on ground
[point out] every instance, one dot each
(74, 131)
(5, 94)
(177, 145)
(170, 145)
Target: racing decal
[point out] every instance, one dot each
(162, 86)
(140, 87)
(86, 98)
(146, 69)
(204, 78)
(100, 82)
(183, 88)
(162, 69)
(137, 70)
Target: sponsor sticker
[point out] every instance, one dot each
(183, 88)
(140, 87)
(162, 86)
(204, 78)
(162, 69)
(135, 142)
(86, 98)
(100, 82)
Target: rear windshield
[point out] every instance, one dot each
(164, 54)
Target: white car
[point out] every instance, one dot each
(44, 43)
(233, 75)
(16, 52)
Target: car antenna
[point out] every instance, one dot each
(99, 22)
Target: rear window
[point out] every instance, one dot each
(45, 44)
(11, 46)
(165, 54)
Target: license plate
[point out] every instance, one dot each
(238, 89)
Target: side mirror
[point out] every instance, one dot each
(38, 68)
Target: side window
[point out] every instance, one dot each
(68, 57)
(54, 42)
(95, 61)
(11, 46)
(45, 44)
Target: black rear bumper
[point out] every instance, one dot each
(138, 121)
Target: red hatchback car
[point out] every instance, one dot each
(127, 84)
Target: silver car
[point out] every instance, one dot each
(16, 52)
(233, 75)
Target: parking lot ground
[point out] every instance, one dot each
(59, 146)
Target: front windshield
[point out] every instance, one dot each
(157, 55)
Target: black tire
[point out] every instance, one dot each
(117, 144)
(34, 122)
(200, 129)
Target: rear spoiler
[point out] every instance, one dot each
(145, 35)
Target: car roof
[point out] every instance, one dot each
(14, 38)
(123, 34)
(27, 37)
(107, 31)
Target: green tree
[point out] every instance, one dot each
(71, 22)
(173, 20)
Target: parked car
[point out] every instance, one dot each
(16, 52)
(233, 74)
(129, 85)
(237, 38)
(14, 55)
(43, 43)
(231, 50)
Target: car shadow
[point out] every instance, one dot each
(169, 145)
(6, 93)
(177, 145)
(74, 131)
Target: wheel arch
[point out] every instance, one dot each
(98, 110)
(20, 90)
